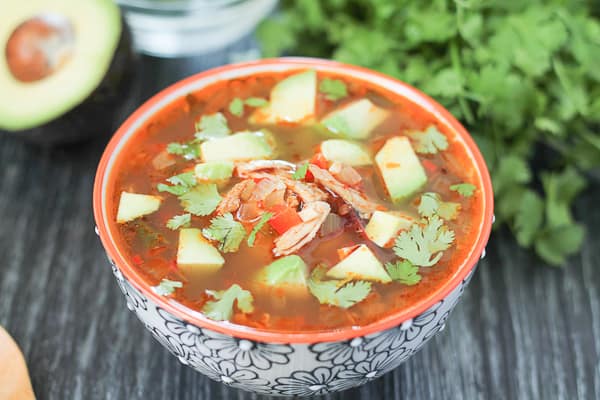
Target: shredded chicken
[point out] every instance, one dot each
(345, 174)
(291, 200)
(351, 196)
(308, 192)
(313, 215)
(244, 169)
(265, 187)
(232, 200)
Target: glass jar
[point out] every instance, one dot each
(177, 28)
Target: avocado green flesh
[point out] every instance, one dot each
(400, 168)
(214, 171)
(289, 270)
(239, 147)
(360, 264)
(97, 26)
(345, 152)
(355, 120)
(292, 100)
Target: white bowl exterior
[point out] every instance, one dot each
(288, 369)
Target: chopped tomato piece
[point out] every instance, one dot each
(284, 218)
(137, 259)
(309, 177)
(429, 166)
(346, 251)
(320, 161)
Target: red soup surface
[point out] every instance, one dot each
(295, 202)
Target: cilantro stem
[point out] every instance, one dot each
(462, 102)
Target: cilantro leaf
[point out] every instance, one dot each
(221, 309)
(336, 292)
(189, 151)
(300, 172)
(187, 179)
(529, 217)
(203, 199)
(561, 188)
(181, 184)
(263, 220)
(179, 221)
(555, 244)
(519, 76)
(256, 102)
(432, 204)
(511, 170)
(337, 125)
(236, 107)
(211, 127)
(333, 89)
(177, 190)
(225, 230)
(429, 141)
(146, 234)
(166, 287)
(464, 189)
(403, 272)
(424, 242)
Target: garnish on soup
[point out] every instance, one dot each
(295, 202)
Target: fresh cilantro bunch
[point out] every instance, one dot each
(522, 75)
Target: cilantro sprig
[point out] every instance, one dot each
(423, 244)
(236, 106)
(179, 221)
(432, 204)
(259, 225)
(201, 200)
(211, 126)
(166, 287)
(404, 272)
(464, 189)
(300, 172)
(336, 292)
(429, 141)
(189, 151)
(221, 308)
(227, 231)
(524, 80)
(180, 184)
(333, 89)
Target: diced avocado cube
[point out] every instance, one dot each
(285, 271)
(400, 168)
(384, 226)
(345, 152)
(214, 171)
(239, 147)
(355, 120)
(292, 100)
(360, 264)
(134, 205)
(196, 253)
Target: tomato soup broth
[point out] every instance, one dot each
(429, 224)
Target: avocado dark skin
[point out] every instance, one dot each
(98, 114)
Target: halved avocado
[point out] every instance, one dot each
(65, 70)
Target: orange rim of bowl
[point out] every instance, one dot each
(128, 129)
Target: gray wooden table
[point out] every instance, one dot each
(521, 331)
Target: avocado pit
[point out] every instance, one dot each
(40, 46)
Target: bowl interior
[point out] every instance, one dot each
(197, 82)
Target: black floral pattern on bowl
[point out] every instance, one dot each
(288, 369)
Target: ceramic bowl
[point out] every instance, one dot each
(301, 364)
